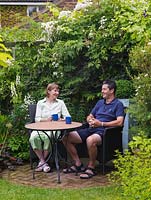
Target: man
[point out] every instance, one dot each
(108, 112)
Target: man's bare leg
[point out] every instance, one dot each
(69, 142)
(92, 142)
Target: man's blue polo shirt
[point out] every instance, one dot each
(107, 112)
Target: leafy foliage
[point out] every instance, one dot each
(125, 89)
(79, 49)
(79, 52)
(134, 170)
(5, 56)
(140, 59)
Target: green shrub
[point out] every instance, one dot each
(134, 169)
(140, 110)
(125, 89)
(19, 146)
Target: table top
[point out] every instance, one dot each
(52, 126)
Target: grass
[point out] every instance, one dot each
(11, 191)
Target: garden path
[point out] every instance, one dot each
(23, 175)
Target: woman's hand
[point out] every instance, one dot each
(46, 119)
(50, 119)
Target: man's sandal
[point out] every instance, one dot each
(88, 173)
(74, 169)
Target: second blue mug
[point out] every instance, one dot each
(68, 120)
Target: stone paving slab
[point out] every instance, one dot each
(23, 175)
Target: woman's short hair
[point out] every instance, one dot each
(50, 87)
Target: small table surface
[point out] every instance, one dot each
(52, 125)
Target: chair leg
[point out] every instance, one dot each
(103, 168)
(31, 163)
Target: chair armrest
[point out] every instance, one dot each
(112, 137)
(113, 129)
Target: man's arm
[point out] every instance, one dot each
(118, 122)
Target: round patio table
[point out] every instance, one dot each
(57, 128)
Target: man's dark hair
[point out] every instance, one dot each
(111, 84)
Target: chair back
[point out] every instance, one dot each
(32, 112)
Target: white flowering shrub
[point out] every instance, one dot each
(64, 14)
(81, 5)
(49, 30)
(28, 99)
(141, 110)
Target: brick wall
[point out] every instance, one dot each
(70, 4)
(8, 17)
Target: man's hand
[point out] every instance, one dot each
(90, 120)
(94, 122)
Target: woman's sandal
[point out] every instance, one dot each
(46, 168)
(39, 167)
(88, 173)
(74, 169)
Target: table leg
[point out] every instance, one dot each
(57, 162)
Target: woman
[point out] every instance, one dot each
(45, 108)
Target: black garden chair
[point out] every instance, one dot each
(111, 142)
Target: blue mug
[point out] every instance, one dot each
(55, 117)
(68, 120)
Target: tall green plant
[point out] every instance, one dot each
(141, 108)
(133, 170)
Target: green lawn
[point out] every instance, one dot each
(9, 191)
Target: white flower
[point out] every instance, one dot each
(9, 62)
(56, 65)
(28, 100)
(91, 34)
(53, 63)
(149, 43)
(102, 22)
(64, 14)
(146, 75)
(17, 80)
(55, 73)
(61, 74)
(13, 90)
(49, 29)
(143, 51)
(83, 5)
